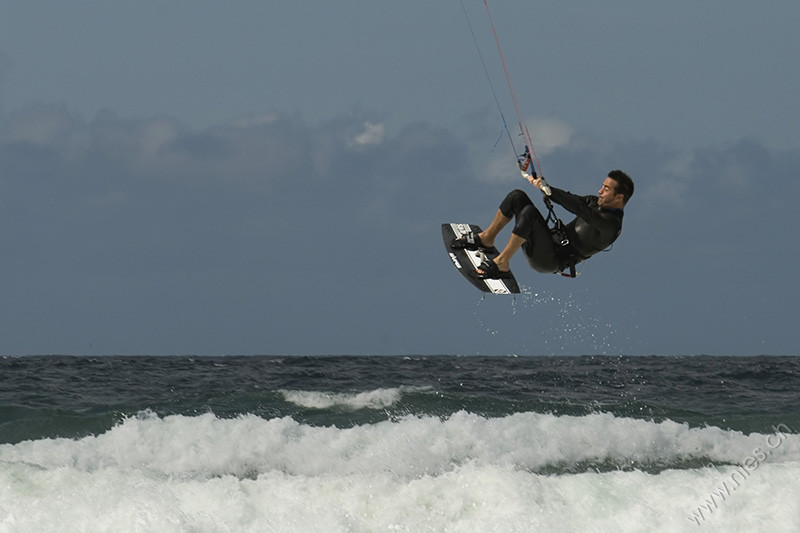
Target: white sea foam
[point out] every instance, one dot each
(462, 473)
(374, 399)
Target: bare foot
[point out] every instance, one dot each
(485, 240)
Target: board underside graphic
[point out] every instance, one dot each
(467, 261)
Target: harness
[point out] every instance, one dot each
(558, 231)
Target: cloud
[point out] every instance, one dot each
(45, 125)
(148, 177)
(551, 134)
(497, 166)
(110, 160)
(674, 185)
(252, 153)
(155, 135)
(372, 134)
(172, 230)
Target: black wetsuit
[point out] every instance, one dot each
(593, 230)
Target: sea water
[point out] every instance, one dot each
(361, 444)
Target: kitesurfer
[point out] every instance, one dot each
(597, 224)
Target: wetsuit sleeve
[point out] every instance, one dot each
(579, 205)
(593, 229)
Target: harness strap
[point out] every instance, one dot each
(560, 237)
(557, 229)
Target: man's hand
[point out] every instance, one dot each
(540, 184)
(537, 182)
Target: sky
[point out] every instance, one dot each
(208, 178)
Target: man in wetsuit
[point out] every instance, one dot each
(597, 224)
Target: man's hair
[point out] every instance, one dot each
(624, 184)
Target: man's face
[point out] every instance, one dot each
(607, 198)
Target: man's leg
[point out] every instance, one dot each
(488, 235)
(515, 204)
(503, 261)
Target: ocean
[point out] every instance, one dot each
(417, 444)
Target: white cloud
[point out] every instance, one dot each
(672, 188)
(549, 134)
(499, 168)
(155, 134)
(373, 134)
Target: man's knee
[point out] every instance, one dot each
(514, 202)
(526, 218)
(519, 196)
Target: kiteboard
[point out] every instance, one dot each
(467, 261)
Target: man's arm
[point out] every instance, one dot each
(571, 202)
(578, 205)
(585, 207)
